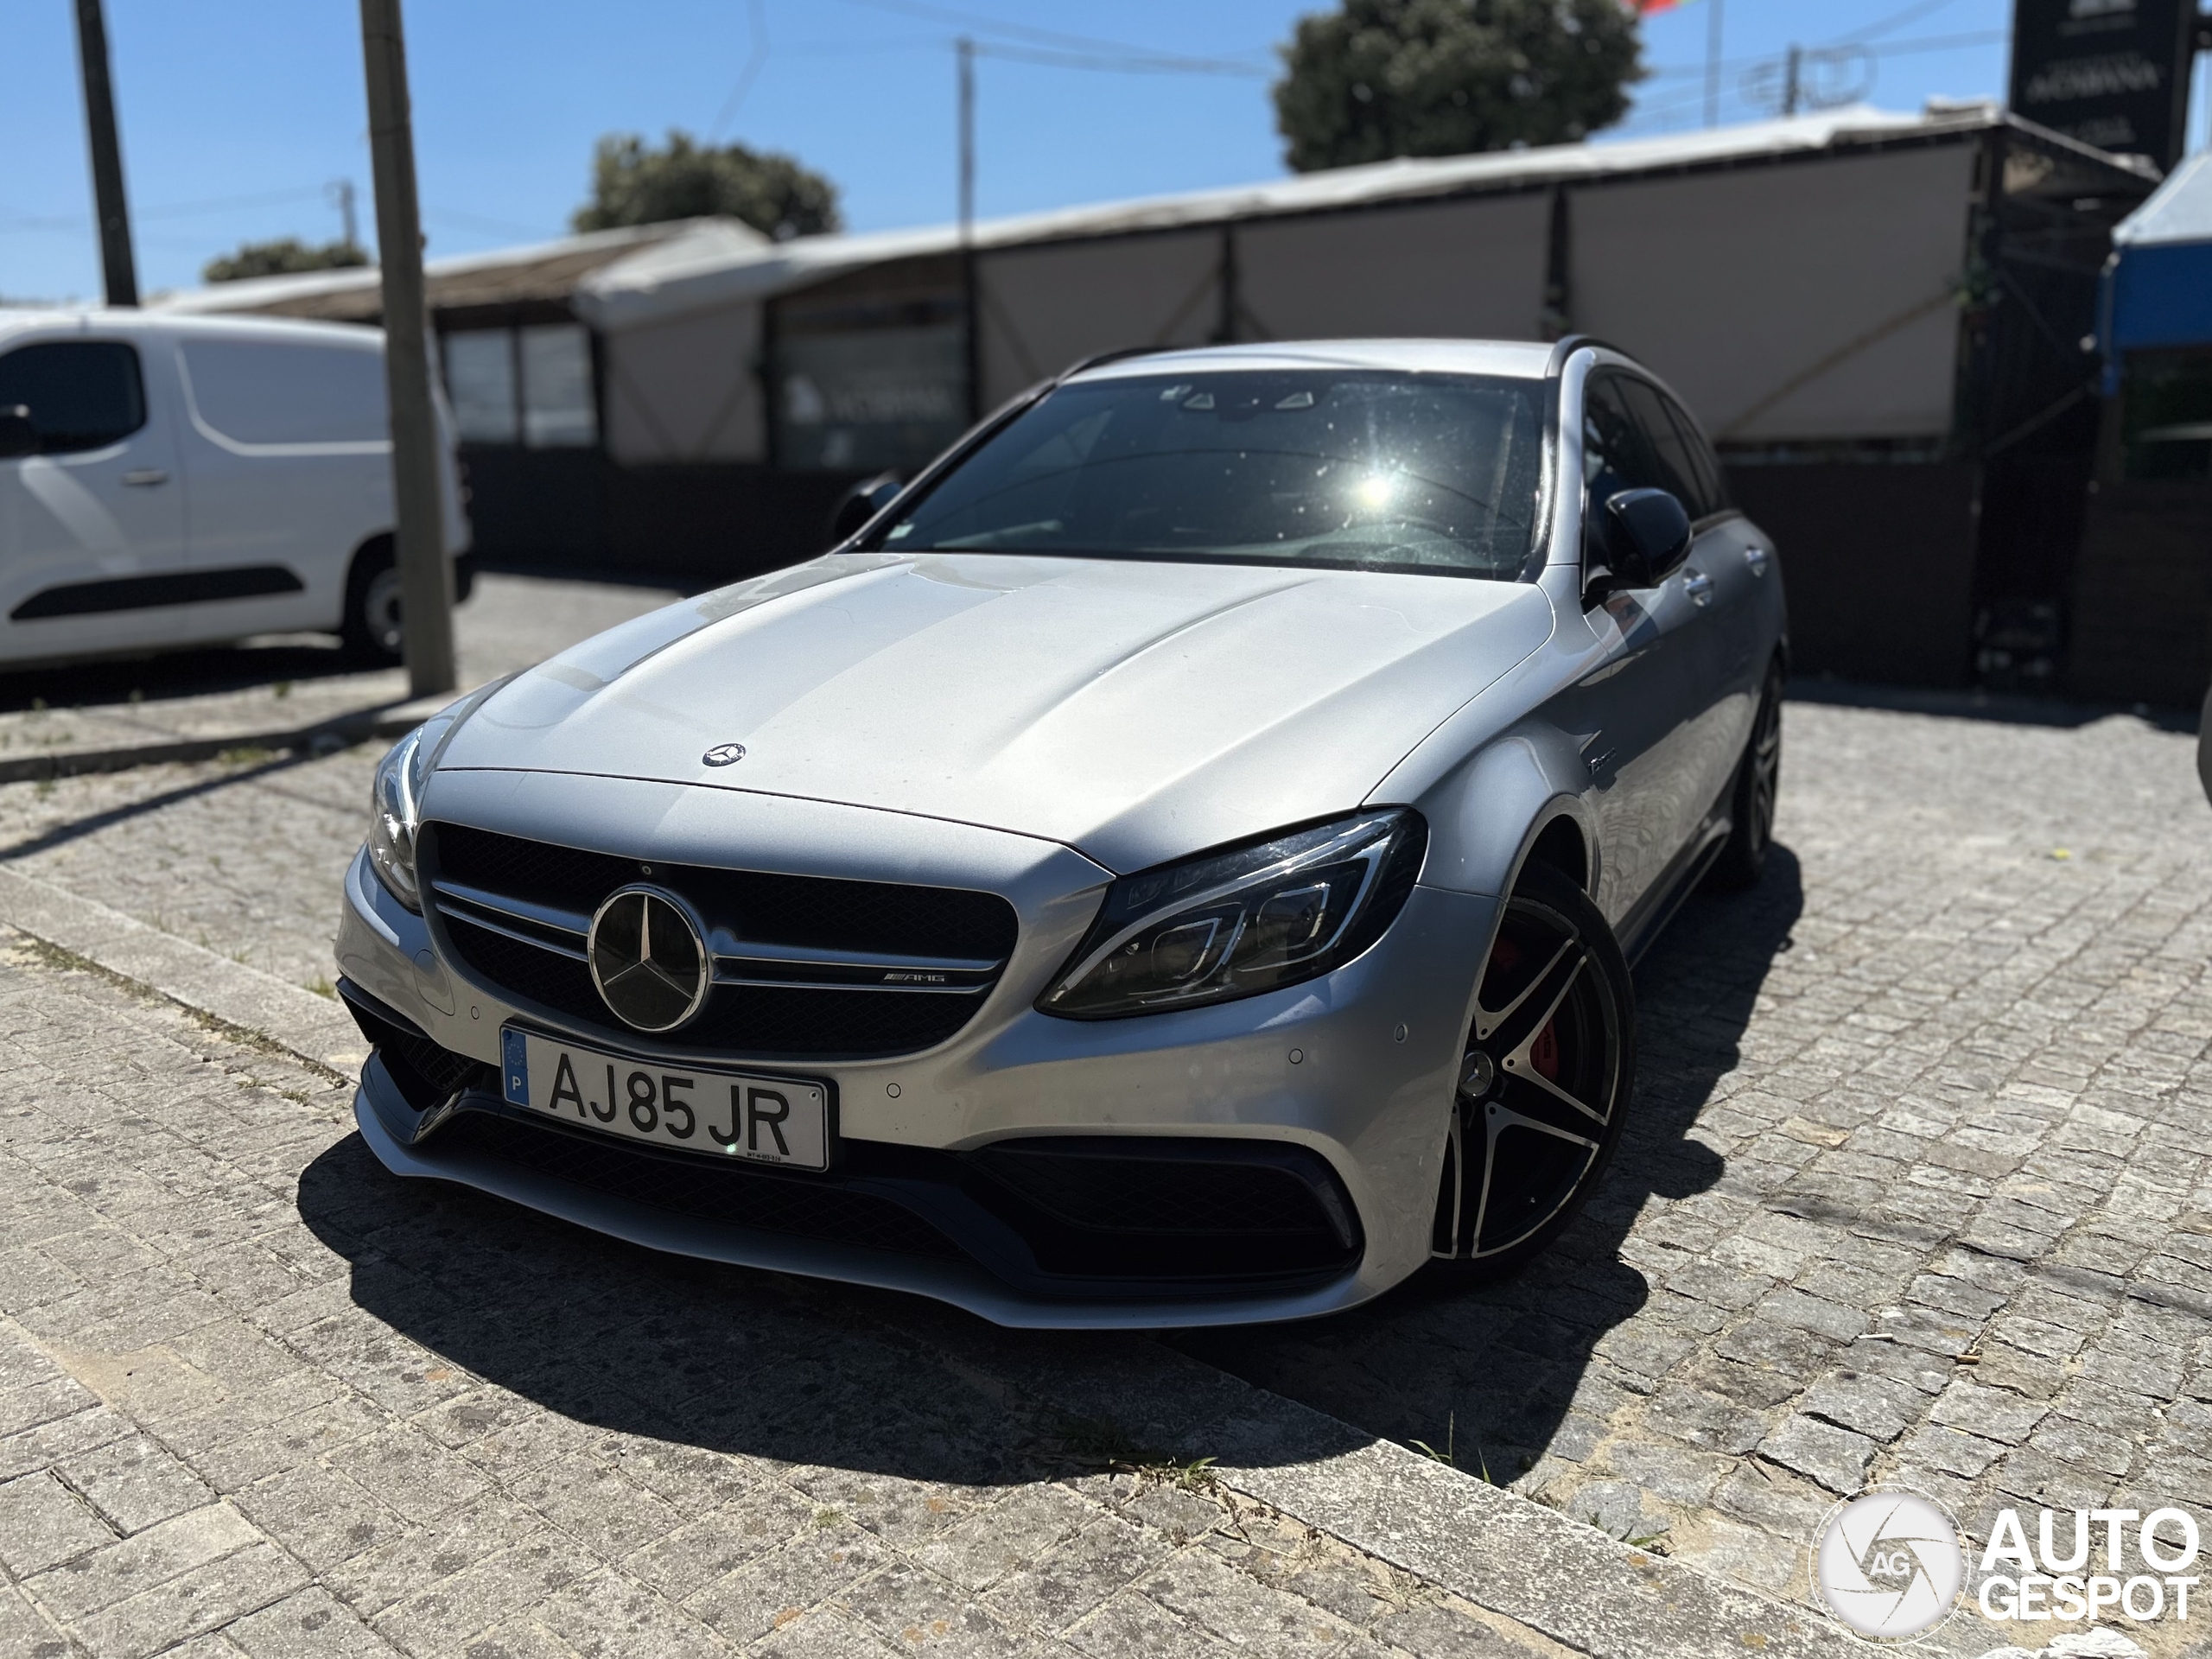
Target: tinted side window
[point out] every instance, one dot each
(1616, 455)
(1676, 473)
(82, 394)
(1711, 480)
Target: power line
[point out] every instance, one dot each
(1073, 46)
(756, 61)
(1130, 64)
(1895, 20)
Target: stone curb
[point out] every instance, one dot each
(1507, 1554)
(342, 731)
(1503, 1551)
(316, 1029)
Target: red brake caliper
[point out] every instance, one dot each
(1543, 1054)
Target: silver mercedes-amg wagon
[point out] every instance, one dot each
(1176, 862)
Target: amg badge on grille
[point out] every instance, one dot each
(648, 959)
(724, 755)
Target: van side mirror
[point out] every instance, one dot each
(18, 436)
(861, 503)
(1640, 536)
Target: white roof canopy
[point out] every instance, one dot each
(675, 281)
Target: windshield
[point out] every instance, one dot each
(1349, 469)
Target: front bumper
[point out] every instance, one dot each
(1356, 1069)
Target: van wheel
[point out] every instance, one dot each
(373, 630)
(1543, 1085)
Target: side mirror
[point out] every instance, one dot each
(1640, 536)
(861, 503)
(17, 435)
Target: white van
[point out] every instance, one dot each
(184, 480)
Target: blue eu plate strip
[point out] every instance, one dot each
(517, 1068)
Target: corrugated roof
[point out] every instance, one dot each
(538, 270)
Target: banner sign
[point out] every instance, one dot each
(2110, 73)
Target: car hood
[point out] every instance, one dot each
(1134, 711)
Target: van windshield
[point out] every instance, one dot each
(1345, 469)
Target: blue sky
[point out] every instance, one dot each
(238, 114)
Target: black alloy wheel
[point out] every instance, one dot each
(1544, 1084)
(1751, 802)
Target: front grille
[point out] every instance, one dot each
(827, 912)
(690, 1186)
(874, 919)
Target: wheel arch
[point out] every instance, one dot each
(382, 542)
(1517, 799)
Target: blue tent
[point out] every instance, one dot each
(2157, 286)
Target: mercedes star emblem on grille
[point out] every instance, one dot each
(724, 755)
(648, 959)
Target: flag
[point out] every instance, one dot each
(1645, 8)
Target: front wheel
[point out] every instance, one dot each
(1543, 1084)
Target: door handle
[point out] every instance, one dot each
(146, 478)
(1699, 586)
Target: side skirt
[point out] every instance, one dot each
(1644, 924)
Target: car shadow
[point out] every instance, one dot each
(300, 658)
(764, 1364)
(626, 1340)
(1494, 1376)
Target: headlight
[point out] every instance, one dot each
(395, 799)
(1245, 920)
(392, 819)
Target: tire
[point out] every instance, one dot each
(373, 630)
(1751, 802)
(1544, 1088)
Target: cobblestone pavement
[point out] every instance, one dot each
(243, 855)
(284, 683)
(259, 1398)
(1915, 1190)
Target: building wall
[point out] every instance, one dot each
(1801, 303)
(686, 390)
(1876, 562)
(1470, 269)
(1046, 307)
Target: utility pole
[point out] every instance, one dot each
(118, 270)
(1790, 86)
(1713, 64)
(341, 191)
(964, 58)
(425, 575)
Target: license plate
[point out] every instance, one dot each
(766, 1119)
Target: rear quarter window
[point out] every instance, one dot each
(270, 392)
(82, 394)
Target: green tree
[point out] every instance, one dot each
(277, 259)
(633, 183)
(1378, 78)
